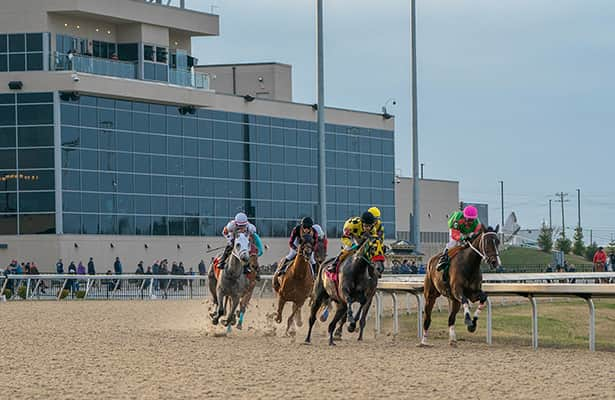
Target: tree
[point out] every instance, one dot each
(563, 244)
(545, 238)
(590, 251)
(578, 247)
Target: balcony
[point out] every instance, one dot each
(127, 70)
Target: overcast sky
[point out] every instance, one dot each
(516, 90)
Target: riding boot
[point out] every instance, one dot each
(258, 273)
(282, 267)
(333, 266)
(227, 252)
(444, 260)
(314, 266)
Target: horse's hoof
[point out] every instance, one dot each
(239, 326)
(467, 320)
(452, 343)
(337, 335)
(421, 344)
(306, 342)
(224, 322)
(472, 328)
(351, 327)
(299, 323)
(332, 343)
(278, 320)
(214, 321)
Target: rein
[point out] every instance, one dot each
(482, 247)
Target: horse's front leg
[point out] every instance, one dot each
(364, 310)
(482, 299)
(231, 319)
(453, 309)
(467, 317)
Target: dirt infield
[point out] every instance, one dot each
(168, 350)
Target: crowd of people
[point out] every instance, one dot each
(406, 268)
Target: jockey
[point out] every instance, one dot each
(462, 225)
(355, 230)
(375, 211)
(306, 227)
(322, 238)
(237, 225)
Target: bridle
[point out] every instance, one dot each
(482, 253)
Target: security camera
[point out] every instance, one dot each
(394, 102)
(75, 77)
(260, 78)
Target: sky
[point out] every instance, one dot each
(519, 91)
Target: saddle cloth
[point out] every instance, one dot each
(217, 270)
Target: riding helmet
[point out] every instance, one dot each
(241, 219)
(307, 222)
(375, 211)
(368, 218)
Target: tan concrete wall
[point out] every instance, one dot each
(41, 81)
(157, 35)
(438, 199)
(129, 33)
(87, 27)
(31, 15)
(45, 250)
(266, 81)
(180, 40)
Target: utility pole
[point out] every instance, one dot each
(416, 223)
(550, 218)
(579, 207)
(322, 181)
(502, 200)
(561, 196)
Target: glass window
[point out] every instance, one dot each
(89, 224)
(90, 202)
(7, 115)
(142, 163)
(107, 203)
(174, 146)
(158, 144)
(142, 205)
(207, 227)
(107, 225)
(70, 158)
(89, 159)
(157, 123)
(17, 62)
(8, 224)
(125, 183)
(3, 44)
(206, 148)
(149, 71)
(36, 201)
(159, 205)
(8, 202)
(190, 147)
(206, 207)
(125, 204)
(34, 61)
(4, 63)
(89, 138)
(25, 98)
(37, 224)
(17, 43)
(176, 226)
(140, 122)
(71, 201)
(159, 226)
(107, 182)
(7, 137)
(89, 181)
(35, 136)
(36, 158)
(70, 136)
(205, 129)
(191, 167)
(191, 227)
(159, 164)
(34, 41)
(107, 161)
(191, 206)
(174, 125)
(189, 127)
(142, 184)
(143, 225)
(72, 223)
(124, 162)
(36, 180)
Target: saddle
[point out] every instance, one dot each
(334, 275)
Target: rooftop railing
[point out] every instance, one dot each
(95, 65)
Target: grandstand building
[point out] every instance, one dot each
(115, 142)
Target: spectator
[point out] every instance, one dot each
(149, 271)
(139, 270)
(395, 267)
(18, 269)
(26, 269)
(404, 268)
(612, 261)
(117, 266)
(34, 271)
(91, 268)
(156, 271)
(181, 271)
(114, 56)
(59, 267)
(72, 284)
(72, 268)
(599, 262)
(202, 268)
(413, 268)
(570, 268)
(80, 269)
(422, 269)
(6, 272)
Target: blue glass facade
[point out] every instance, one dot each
(23, 51)
(134, 168)
(27, 197)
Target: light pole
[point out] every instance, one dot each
(416, 225)
(322, 182)
(579, 207)
(502, 201)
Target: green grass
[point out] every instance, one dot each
(525, 256)
(561, 324)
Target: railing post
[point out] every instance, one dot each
(88, 285)
(489, 322)
(395, 314)
(27, 288)
(534, 322)
(409, 311)
(419, 315)
(592, 324)
(151, 288)
(62, 289)
(378, 305)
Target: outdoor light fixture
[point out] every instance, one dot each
(111, 245)
(386, 115)
(183, 110)
(76, 245)
(15, 85)
(178, 246)
(315, 107)
(249, 98)
(66, 96)
(146, 246)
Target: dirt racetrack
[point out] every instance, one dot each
(168, 350)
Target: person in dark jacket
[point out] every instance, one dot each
(59, 267)
(117, 268)
(91, 268)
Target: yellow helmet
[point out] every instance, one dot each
(375, 212)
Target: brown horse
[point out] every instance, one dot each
(296, 284)
(357, 282)
(465, 281)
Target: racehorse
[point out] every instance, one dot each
(230, 283)
(296, 284)
(465, 281)
(357, 282)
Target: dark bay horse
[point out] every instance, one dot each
(465, 281)
(296, 284)
(357, 282)
(231, 283)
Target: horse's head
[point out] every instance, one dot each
(372, 251)
(241, 248)
(488, 245)
(307, 246)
